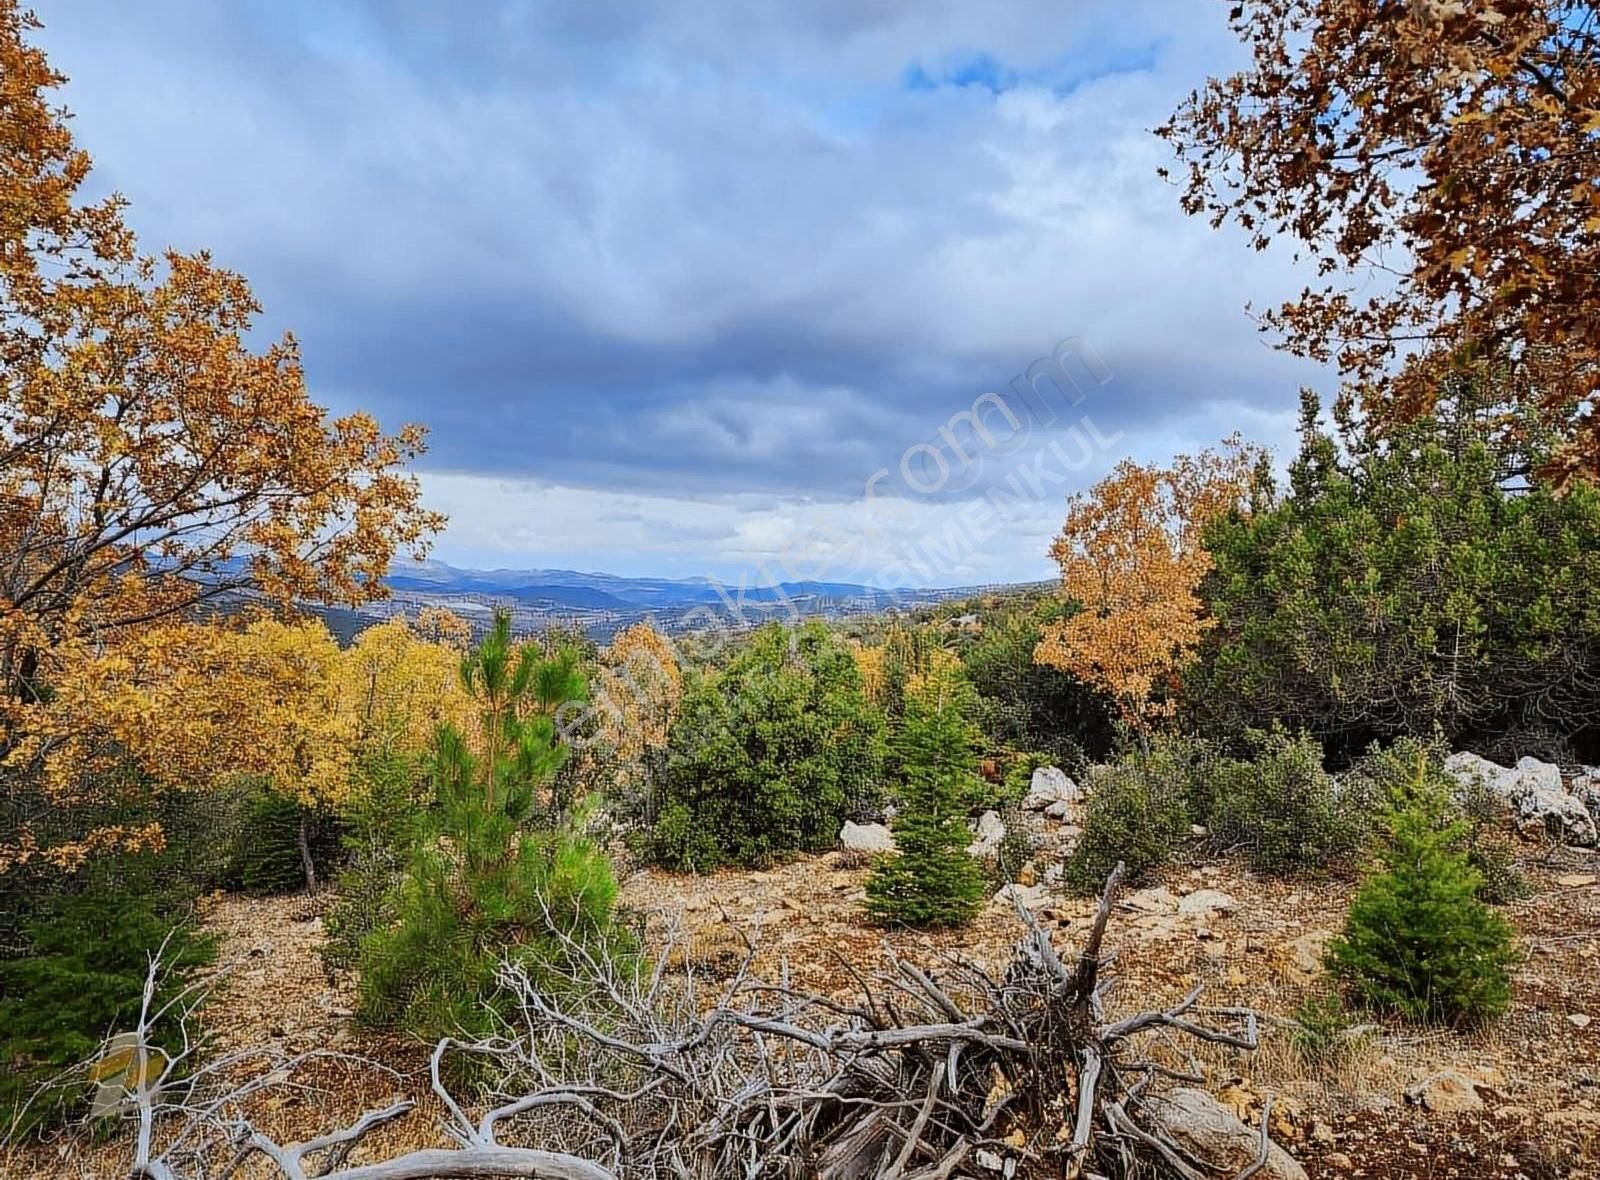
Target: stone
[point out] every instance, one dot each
(1206, 901)
(1032, 897)
(1050, 784)
(1576, 880)
(1534, 792)
(1211, 1132)
(855, 837)
(1447, 1092)
(1302, 957)
(1580, 1021)
(990, 831)
(1058, 810)
(1156, 900)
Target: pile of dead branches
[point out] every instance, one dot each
(643, 1074)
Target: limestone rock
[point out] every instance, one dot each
(866, 838)
(1050, 784)
(1447, 1092)
(1534, 792)
(1205, 1128)
(1206, 901)
(1156, 900)
(1032, 897)
(990, 831)
(1301, 958)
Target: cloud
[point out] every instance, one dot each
(682, 277)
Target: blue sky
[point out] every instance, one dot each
(671, 282)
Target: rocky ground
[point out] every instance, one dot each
(1520, 1099)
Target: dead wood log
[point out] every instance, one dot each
(627, 1073)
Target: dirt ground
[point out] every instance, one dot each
(1529, 1105)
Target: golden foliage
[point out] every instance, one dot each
(639, 689)
(1132, 557)
(189, 706)
(149, 459)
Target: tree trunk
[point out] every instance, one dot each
(302, 841)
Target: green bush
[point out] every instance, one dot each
(1138, 811)
(1284, 811)
(265, 859)
(1480, 813)
(1321, 1031)
(1493, 857)
(1404, 583)
(381, 831)
(484, 882)
(1024, 704)
(768, 758)
(80, 974)
(930, 880)
(1018, 845)
(1418, 941)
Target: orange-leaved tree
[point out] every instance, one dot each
(1132, 558)
(1449, 149)
(637, 695)
(149, 458)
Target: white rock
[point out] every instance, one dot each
(1031, 896)
(1206, 901)
(1211, 1132)
(1534, 792)
(1156, 900)
(1060, 809)
(866, 838)
(1050, 784)
(990, 831)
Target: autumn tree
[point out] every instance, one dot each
(149, 458)
(636, 699)
(1450, 150)
(1132, 558)
(201, 706)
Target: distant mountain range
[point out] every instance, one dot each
(587, 591)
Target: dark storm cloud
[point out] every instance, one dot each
(674, 249)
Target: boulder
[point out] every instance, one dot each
(1534, 792)
(1050, 784)
(989, 832)
(1158, 899)
(1447, 1092)
(868, 838)
(1209, 1131)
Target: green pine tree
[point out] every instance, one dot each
(496, 877)
(930, 880)
(1418, 941)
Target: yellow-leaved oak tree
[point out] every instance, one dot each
(1440, 162)
(150, 458)
(1132, 557)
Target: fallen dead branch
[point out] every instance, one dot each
(622, 1072)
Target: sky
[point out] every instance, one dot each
(856, 290)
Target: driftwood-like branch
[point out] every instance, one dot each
(623, 1073)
